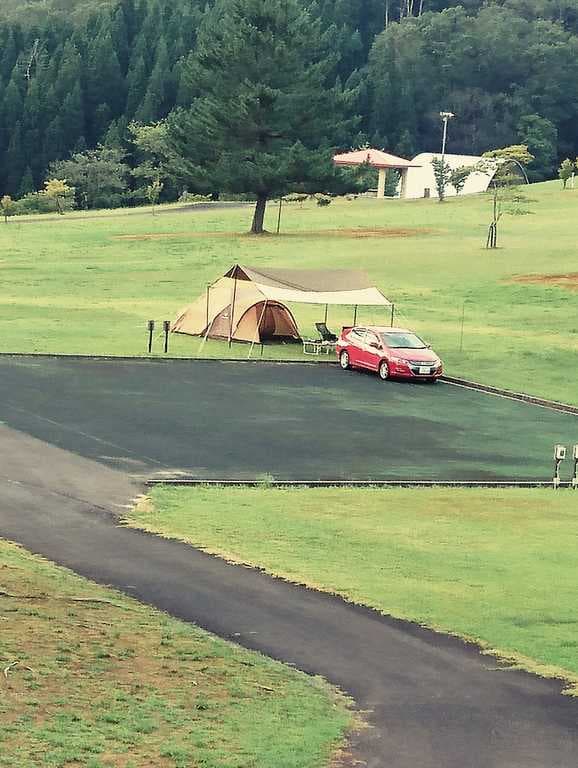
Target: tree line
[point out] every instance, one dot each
(75, 88)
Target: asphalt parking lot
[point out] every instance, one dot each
(214, 420)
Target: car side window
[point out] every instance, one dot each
(357, 334)
(371, 338)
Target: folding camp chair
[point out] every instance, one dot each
(325, 333)
(323, 345)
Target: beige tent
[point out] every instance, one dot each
(248, 304)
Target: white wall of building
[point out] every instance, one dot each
(421, 178)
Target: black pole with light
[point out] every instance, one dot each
(151, 328)
(559, 456)
(166, 330)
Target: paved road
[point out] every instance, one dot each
(215, 419)
(434, 702)
(130, 212)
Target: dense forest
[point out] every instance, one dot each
(74, 74)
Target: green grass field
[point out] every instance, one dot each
(495, 566)
(72, 286)
(93, 679)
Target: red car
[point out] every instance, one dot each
(389, 351)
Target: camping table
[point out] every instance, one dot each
(317, 347)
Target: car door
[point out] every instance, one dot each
(355, 338)
(372, 351)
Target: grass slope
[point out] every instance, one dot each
(96, 680)
(495, 566)
(73, 286)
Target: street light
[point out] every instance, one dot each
(445, 116)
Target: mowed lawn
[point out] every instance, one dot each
(75, 286)
(496, 566)
(92, 678)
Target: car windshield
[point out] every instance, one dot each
(403, 341)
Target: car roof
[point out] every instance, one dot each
(387, 329)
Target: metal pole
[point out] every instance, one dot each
(151, 327)
(355, 315)
(232, 310)
(462, 327)
(279, 215)
(166, 329)
(325, 321)
(207, 314)
(392, 315)
(258, 331)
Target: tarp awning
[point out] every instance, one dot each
(307, 286)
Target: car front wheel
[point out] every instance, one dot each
(344, 360)
(383, 371)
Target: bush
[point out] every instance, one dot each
(40, 202)
(323, 200)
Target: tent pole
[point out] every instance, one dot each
(392, 314)
(258, 330)
(355, 315)
(232, 310)
(209, 325)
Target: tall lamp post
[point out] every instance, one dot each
(445, 117)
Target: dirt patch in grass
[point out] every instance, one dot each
(358, 233)
(92, 679)
(568, 280)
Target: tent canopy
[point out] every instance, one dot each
(312, 286)
(248, 303)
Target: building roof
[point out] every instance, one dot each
(374, 157)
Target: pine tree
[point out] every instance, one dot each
(266, 114)
(27, 184)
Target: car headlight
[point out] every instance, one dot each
(398, 360)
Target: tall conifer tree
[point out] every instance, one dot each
(266, 111)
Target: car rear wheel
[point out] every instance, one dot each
(344, 360)
(383, 371)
